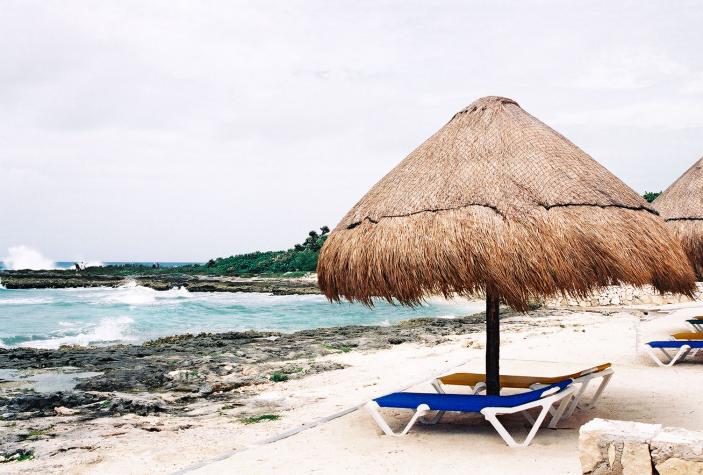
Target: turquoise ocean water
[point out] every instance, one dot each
(48, 318)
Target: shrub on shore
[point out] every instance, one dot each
(294, 262)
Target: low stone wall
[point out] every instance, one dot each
(625, 295)
(631, 448)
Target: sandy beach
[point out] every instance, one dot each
(232, 230)
(317, 426)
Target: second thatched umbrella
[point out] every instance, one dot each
(498, 203)
(681, 206)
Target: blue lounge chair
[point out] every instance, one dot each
(476, 383)
(488, 406)
(684, 348)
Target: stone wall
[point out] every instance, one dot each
(625, 295)
(631, 448)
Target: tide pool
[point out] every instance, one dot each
(49, 318)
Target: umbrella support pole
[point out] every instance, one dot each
(492, 344)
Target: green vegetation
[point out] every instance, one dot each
(35, 433)
(278, 377)
(651, 195)
(263, 417)
(336, 347)
(300, 258)
(25, 456)
(294, 262)
(19, 455)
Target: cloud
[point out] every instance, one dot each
(169, 130)
(629, 69)
(645, 115)
(693, 84)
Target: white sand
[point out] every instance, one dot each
(639, 391)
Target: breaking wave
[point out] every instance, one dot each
(25, 257)
(108, 330)
(26, 301)
(134, 294)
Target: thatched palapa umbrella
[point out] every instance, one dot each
(498, 203)
(681, 206)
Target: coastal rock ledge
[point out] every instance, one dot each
(624, 295)
(608, 447)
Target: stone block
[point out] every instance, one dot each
(675, 466)
(677, 443)
(635, 459)
(601, 441)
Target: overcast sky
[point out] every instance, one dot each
(172, 130)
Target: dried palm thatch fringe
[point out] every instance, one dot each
(496, 200)
(690, 232)
(681, 206)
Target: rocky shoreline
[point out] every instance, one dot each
(194, 283)
(174, 376)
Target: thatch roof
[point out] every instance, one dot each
(498, 200)
(681, 206)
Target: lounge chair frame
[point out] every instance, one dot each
(669, 359)
(697, 324)
(546, 403)
(582, 383)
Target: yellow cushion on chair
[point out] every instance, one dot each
(688, 336)
(510, 381)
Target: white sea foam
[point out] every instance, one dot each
(2, 287)
(107, 330)
(175, 292)
(26, 301)
(68, 324)
(134, 294)
(94, 264)
(25, 257)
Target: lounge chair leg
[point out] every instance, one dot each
(561, 408)
(437, 385)
(656, 359)
(574, 402)
(528, 417)
(682, 354)
(603, 384)
(372, 407)
(478, 388)
(683, 351)
(505, 435)
(433, 420)
(491, 416)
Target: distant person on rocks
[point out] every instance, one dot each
(78, 267)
